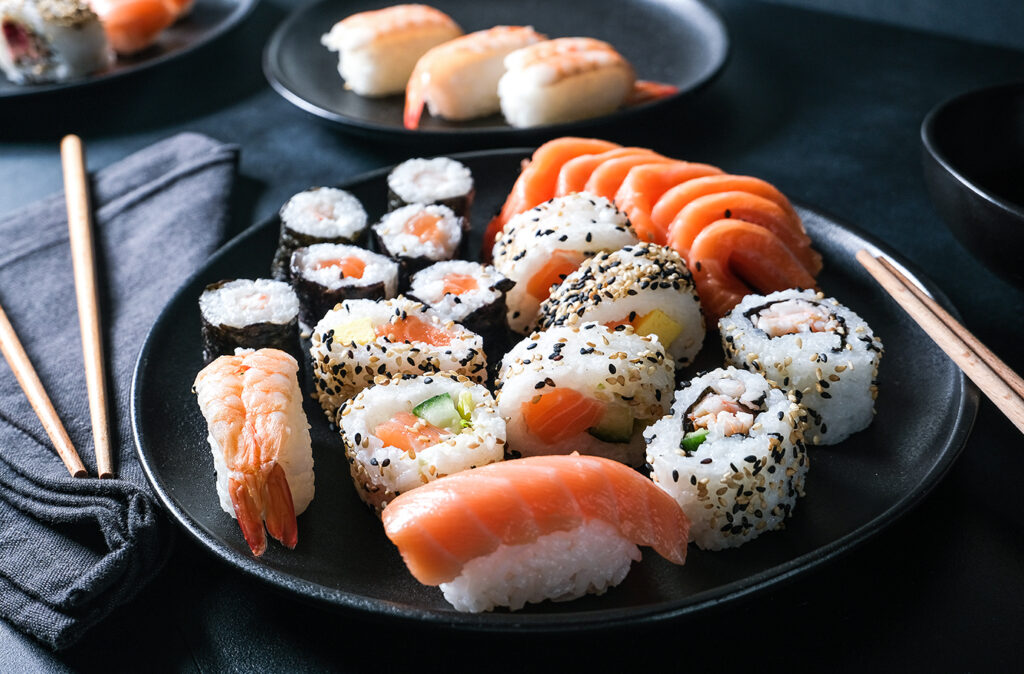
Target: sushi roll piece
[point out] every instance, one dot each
(418, 235)
(647, 286)
(361, 339)
(588, 389)
(51, 41)
(563, 80)
(252, 400)
(539, 248)
(378, 49)
(248, 314)
(317, 215)
(815, 347)
(402, 433)
(440, 180)
(732, 455)
(529, 530)
(458, 80)
(325, 274)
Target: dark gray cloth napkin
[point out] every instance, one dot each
(71, 550)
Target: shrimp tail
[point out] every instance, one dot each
(249, 512)
(414, 102)
(280, 510)
(645, 91)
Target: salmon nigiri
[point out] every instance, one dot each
(526, 530)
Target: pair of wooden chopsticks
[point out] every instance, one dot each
(994, 377)
(83, 260)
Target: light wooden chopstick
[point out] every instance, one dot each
(26, 375)
(994, 377)
(82, 257)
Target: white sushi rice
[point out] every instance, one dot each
(580, 223)
(560, 566)
(400, 243)
(243, 302)
(379, 269)
(615, 367)
(832, 372)
(68, 38)
(424, 181)
(732, 487)
(381, 472)
(428, 286)
(326, 213)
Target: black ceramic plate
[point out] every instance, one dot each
(680, 42)
(207, 20)
(925, 412)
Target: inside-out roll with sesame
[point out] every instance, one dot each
(317, 215)
(588, 389)
(325, 274)
(814, 346)
(248, 314)
(732, 455)
(440, 180)
(419, 235)
(359, 340)
(540, 247)
(403, 432)
(646, 285)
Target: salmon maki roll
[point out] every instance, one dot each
(419, 235)
(529, 530)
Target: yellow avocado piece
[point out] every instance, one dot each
(359, 331)
(658, 323)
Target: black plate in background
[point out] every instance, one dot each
(343, 559)
(681, 42)
(207, 20)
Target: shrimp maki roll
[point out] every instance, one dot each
(247, 314)
(588, 389)
(325, 274)
(252, 400)
(540, 247)
(439, 180)
(317, 215)
(732, 455)
(401, 433)
(51, 41)
(815, 347)
(647, 286)
(419, 235)
(361, 339)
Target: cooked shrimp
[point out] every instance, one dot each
(133, 25)
(725, 413)
(792, 316)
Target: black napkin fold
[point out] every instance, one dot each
(71, 550)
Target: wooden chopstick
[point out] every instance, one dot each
(995, 379)
(82, 257)
(26, 375)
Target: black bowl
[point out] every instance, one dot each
(974, 168)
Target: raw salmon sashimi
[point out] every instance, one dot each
(606, 178)
(576, 172)
(536, 183)
(644, 185)
(732, 258)
(668, 204)
(441, 527)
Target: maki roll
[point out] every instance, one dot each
(247, 314)
(440, 181)
(647, 286)
(732, 456)
(419, 235)
(317, 215)
(401, 433)
(51, 41)
(813, 346)
(588, 389)
(361, 339)
(325, 274)
(540, 247)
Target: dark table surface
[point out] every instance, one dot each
(826, 108)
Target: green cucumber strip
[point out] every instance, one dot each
(692, 440)
(440, 411)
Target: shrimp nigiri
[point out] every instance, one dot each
(260, 442)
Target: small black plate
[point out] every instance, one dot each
(679, 42)
(343, 559)
(208, 20)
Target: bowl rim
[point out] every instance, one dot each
(930, 144)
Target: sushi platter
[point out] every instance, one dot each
(343, 558)
(686, 49)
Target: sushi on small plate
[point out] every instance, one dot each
(51, 41)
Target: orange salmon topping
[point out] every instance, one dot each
(560, 414)
(456, 284)
(408, 432)
(413, 329)
(423, 226)
(559, 265)
(351, 267)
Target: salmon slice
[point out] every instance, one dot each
(710, 208)
(443, 525)
(409, 433)
(607, 178)
(672, 201)
(644, 185)
(413, 329)
(732, 258)
(561, 413)
(576, 172)
(555, 269)
(536, 183)
(424, 227)
(350, 267)
(456, 284)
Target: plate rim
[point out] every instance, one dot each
(589, 620)
(275, 77)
